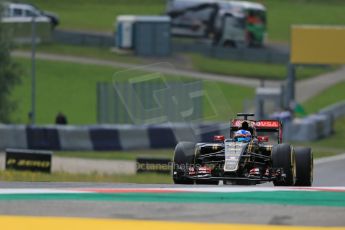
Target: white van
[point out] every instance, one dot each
(26, 11)
(226, 22)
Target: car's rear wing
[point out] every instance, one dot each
(260, 126)
(268, 124)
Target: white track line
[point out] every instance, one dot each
(39, 191)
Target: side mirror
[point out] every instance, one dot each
(219, 138)
(263, 139)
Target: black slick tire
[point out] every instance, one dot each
(183, 158)
(305, 165)
(283, 157)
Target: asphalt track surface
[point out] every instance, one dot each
(328, 172)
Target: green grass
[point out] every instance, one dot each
(97, 15)
(283, 14)
(252, 69)
(118, 155)
(199, 62)
(63, 87)
(100, 15)
(71, 88)
(326, 98)
(147, 178)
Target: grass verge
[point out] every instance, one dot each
(147, 178)
(97, 15)
(71, 88)
(100, 15)
(326, 98)
(199, 62)
(252, 69)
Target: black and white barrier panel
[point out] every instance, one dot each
(130, 137)
(154, 165)
(30, 160)
(107, 137)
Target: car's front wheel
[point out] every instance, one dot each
(283, 157)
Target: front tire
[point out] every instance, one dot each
(183, 158)
(305, 165)
(283, 156)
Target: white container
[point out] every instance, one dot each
(124, 31)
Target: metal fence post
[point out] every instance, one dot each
(290, 87)
(33, 71)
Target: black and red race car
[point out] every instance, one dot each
(264, 158)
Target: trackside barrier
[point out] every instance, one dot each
(315, 126)
(74, 137)
(13, 136)
(127, 137)
(106, 137)
(310, 128)
(336, 110)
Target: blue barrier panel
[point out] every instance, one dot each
(105, 139)
(42, 138)
(161, 137)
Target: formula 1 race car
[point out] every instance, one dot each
(254, 154)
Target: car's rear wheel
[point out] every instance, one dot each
(305, 165)
(183, 158)
(283, 157)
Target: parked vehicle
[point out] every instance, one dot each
(23, 11)
(235, 23)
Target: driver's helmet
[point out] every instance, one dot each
(242, 136)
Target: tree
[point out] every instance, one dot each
(10, 73)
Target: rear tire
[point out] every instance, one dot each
(305, 165)
(283, 156)
(183, 158)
